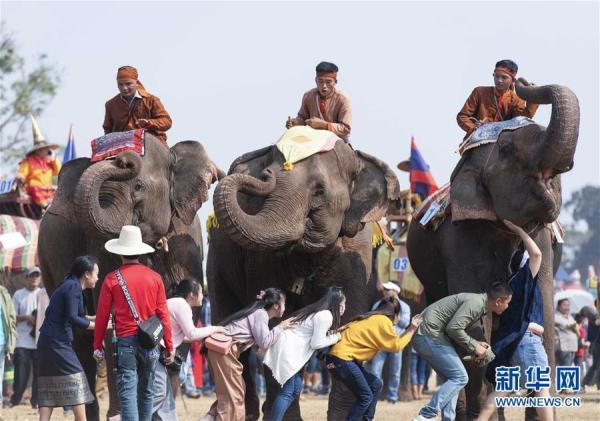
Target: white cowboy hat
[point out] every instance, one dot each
(129, 242)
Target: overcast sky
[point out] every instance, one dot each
(230, 73)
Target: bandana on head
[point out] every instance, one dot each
(327, 74)
(506, 70)
(131, 73)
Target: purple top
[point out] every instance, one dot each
(253, 329)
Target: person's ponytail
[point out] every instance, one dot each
(265, 299)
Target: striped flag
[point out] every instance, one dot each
(70, 149)
(421, 179)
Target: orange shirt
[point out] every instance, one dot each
(121, 117)
(487, 103)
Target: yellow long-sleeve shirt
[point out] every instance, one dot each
(365, 338)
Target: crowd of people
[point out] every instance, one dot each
(353, 353)
(156, 337)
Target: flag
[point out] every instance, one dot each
(421, 179)
(70, 149)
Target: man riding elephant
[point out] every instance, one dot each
(133, 108)
(325, 107)
(488, 104)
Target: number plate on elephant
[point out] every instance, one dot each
(400, 264)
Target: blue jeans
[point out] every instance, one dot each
(363, 384)
(449, 367)
(418, 369)
(135, 377)
(394, 367)
(529, 352)
(290, 390)
(2, 359)
(163, 402)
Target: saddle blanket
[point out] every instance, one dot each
(489, 133)
(113, 144)
(301, 142)
(18, 243)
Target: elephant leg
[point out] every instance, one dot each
(251, 398)
(273, 388)
(110, 353)
(83, 346)
(340, 400)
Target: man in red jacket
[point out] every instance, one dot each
(135, 364)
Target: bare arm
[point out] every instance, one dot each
(535, 255)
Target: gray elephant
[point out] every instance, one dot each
(301, 230)
(518, 179)
(160, 192)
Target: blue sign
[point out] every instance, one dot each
(400, 264)
(568, 378)
(6, 185)
(507, 379)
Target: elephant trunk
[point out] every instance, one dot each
(271, 228)
(563, 130)
(102, 211)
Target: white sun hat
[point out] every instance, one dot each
(129, 242)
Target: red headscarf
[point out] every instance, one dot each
(508, 71)
(131, 73)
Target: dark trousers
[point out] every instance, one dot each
(364, 385)
(25, 362)
(593, 375)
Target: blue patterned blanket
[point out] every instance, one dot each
(488, 133)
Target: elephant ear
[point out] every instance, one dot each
(70, 173)
(252, 163)
(374, 186)
(192, 173)
(468, 195)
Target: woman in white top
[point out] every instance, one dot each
(312, 327)
(186, 294)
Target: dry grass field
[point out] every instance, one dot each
(314, 408)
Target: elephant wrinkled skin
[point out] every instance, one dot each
(299, 228)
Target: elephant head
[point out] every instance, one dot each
(518, 177)
(147, 190)
(263, 206)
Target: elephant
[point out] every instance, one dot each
(517, 178)
(301, 230)
(160, 192)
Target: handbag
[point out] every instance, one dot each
(150, 332)
(175, 366)
(219, 343)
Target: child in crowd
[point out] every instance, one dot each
(313, 327)
(362, 338)
(246, 327)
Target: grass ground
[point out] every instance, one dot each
(314, 408)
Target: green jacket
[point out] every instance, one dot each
(9, 320)
(449, 317)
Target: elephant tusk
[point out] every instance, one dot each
(162, 244)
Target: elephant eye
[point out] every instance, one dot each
(138, 186)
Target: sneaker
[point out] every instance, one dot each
(422, 418)
(392, 401)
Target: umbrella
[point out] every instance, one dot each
(577, 299)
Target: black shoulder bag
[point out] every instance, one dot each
(150, 331)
